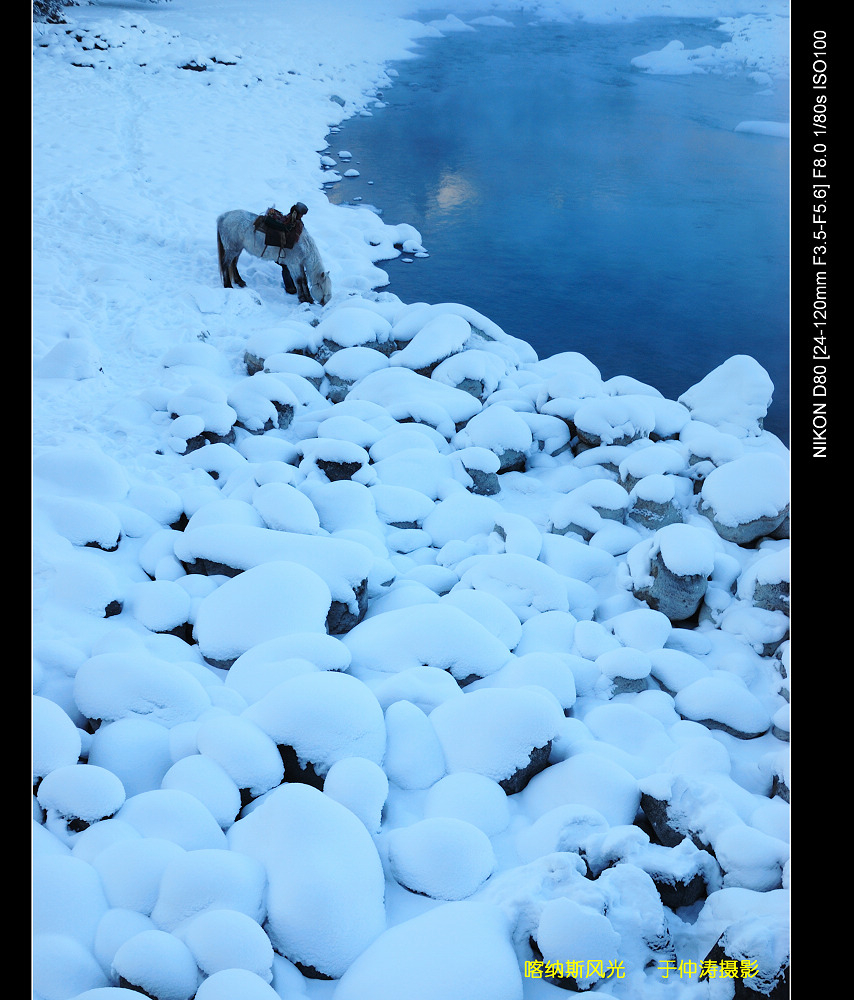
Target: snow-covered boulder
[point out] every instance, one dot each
(348, 366)
(585, 779)
(207, 781)
(56, 740)
(77, 795)
(263, 402)
(283, 362)
(723, 701)
(472, 797)
(734, 397)
(319, 718)
(285, 508)
(173, 815)
(501, 430)
(362, 786)
(748, 497)
(503, 734)
(567, 928)
(200, 881)
(657, 500)
(83, 522)
(614, 420)
(407, 395)
(543, 669)
(283, 338)
(267, 601)
(653, 458)
(131, 869)
(201, 416)
(756, 938)
(414, 757)
(475, 371)
(242, 749)
(671, 571)
(135, 749)
(440, 338)
(63, 968)
(342, 564)
(584, 509)
(460, 950)
(442, 857)
(325, 884)
(765, 583)
(157, 964)
(527, 586)
(68, 898)
(229, 983)
(437, 635)
(112, 686)
(228, 939)
(332, 459)
(268, 664)
(352, 326)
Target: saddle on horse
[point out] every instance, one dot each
(281, 231)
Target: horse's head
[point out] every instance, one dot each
(322, 287)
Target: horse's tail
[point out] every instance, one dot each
(223, 267)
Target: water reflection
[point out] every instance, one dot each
(585, 206)
(454, 191)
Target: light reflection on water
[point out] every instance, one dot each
(585, 206)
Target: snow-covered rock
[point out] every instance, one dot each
(747, 498)
(462, 951)
(442, 857)
(321, 717)
(325, 886)
(267, 601)
(502, 734)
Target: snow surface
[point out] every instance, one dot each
(189, 545)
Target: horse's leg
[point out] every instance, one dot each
(235, 274)
(303, 291)
(290, 287)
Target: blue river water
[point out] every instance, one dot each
(584, 205)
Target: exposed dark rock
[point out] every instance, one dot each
(656, 812)
(539, 761)
(676, 596)
(335, 471)
(341, 618)
(295, 771)
(484, 484)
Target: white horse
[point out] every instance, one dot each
(302, 267)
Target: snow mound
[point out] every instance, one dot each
(494, 732)
(734, 397)
(324, 717)
(461, 949)
(251, 608)
(442, 857)
(428, 634)
(325, 884)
